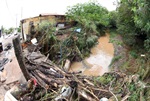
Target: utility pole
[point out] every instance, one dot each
(21, 12)
(16, 21)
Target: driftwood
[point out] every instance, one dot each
(40, 81)
(52, 79)
(50, 76)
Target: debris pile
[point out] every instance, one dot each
(3, 62)
(8, 47)
(50, 82)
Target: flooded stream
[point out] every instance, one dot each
(98, 61)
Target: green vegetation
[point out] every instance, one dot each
(116, 58)
(134, 24)
(122, 85)
(112, 20)
(18, 29)
(91, 18)
(104, 80)
(8, 31)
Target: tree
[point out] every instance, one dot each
(9, 31)
(134, 23)
(125, 23)
(90, 16)
(142, 19)
(112, 19)
(19, 29)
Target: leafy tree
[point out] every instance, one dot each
(142, 19)
(9, 31)
(125, 23)
(91, 17)
(19, 29)
(134, 23)
(112, 19)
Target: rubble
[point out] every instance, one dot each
(3, 62)
(57, 84)
(8, 47)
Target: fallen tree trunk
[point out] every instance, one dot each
(20, 58)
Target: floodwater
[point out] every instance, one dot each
(99, 60)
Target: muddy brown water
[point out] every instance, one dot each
(99, 60)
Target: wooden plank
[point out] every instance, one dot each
(19, 56)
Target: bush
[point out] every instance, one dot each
(89, 16)
(112, 19)
(133, 22)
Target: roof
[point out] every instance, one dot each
(44, 14)
(50, 14)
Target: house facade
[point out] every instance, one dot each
(30, 23)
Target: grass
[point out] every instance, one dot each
(116, 58)
(104, 80)
(113, 34)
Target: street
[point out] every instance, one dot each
(11, 73)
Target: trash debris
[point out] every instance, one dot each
(1, 47)
(103, 99)
(142, 55)
(78, 30)
(64, 94)
(8, 47)
(50, 82)
(1, 68)
(34, 41)
(3, 62)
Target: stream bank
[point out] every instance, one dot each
(99, 60)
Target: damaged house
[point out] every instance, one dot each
(28, 25)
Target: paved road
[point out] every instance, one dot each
(11, 70)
